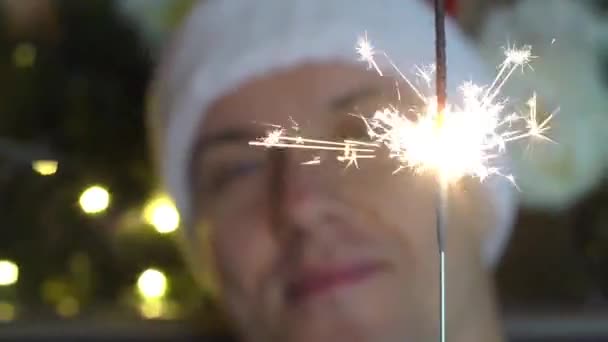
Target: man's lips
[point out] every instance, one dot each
(318, 280)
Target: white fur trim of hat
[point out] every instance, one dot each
(224, 43)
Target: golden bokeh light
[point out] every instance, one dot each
(9, 273)
(95, 199)
(67, 307)
(152, 284)
(45, 167)
(24, 55)
(7, 311)
(161, 213)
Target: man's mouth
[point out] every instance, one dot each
(319, 280)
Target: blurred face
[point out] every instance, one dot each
(325, 252)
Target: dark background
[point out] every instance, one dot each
(72, 80)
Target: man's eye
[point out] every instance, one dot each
(224, 176)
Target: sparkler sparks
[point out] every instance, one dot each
(367, 52)
(465, 140)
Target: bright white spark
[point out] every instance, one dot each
(535, 128)
(461, 141)
(367, 53)
(314, 161)
(518, 56)
(274, 137)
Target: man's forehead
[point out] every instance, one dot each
(304, 92)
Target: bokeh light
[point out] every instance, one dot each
(53, 290)
(9, 273)
(45, 167)
(161, 213)
(7, 311)
(152, 284)
(94, 199)
(67, 307)
(152, 309)
(24, 55)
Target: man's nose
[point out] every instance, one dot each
(299, 192)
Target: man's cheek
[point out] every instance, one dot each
(407, 206)
(398, 195)
(248, 257)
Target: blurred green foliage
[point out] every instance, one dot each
(76, 95)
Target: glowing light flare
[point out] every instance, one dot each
(45, 167)
(95, 199)
(161, 213)
(464, 140)
(152, 284)
(9, 273)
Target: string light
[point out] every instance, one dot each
(94, 199)
(67, 307)
(45, 167)
(152, 284)
(161, 213)
(9, 273)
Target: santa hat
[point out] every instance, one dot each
(225, 43)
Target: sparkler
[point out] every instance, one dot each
(441, 94)
(459, 141)
(450, 141)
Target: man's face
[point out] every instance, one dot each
(324, 252)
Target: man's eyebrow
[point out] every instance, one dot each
(228, 136)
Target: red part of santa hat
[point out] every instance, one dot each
(451, 6)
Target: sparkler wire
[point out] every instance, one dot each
(442, 215)
(441, 93)
(440, 55)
